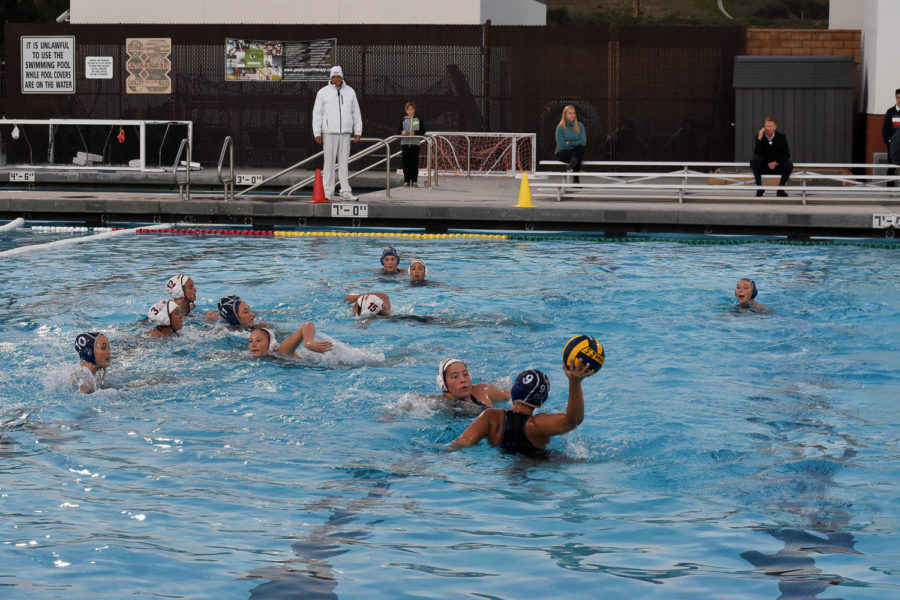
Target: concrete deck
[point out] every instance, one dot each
(480, 203)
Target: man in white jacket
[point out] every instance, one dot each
(335, 116)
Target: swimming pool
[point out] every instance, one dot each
(723, 454)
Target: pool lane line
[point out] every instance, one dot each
(75, 240)
(700, 242)
(270, 233)
(70, 229)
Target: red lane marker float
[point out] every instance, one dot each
(267, 233)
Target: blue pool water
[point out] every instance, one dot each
(723, 454)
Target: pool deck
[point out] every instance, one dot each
(457, 203)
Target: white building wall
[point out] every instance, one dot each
(308, 12)
(513, 12)
(881, 67)
(845, 14)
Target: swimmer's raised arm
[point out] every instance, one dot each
(546, 425)
(304, 334)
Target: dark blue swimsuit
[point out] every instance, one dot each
(514, 438)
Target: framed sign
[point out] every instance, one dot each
(48, 64)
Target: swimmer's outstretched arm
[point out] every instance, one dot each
(546, 425)
(351, 298)
(212, 315)
(304, 334)
(497, 394)
(489, 424)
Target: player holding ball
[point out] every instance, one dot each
(519, 429)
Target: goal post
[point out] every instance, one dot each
(483, 153)
(121, 144)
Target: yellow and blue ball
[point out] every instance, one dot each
(586, 349)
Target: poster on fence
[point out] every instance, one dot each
(266, 60)
(253, 60)
(148, 65)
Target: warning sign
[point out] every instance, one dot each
(98, 67)
(48, 64)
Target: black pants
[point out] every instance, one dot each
(566, 156)
(760, 167)
(410, 163)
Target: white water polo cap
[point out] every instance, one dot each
(176, 285)
(273, 343)
(369, 304)
(161, 312)
(442, 368)
(419, 261)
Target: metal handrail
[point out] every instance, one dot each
(229, 182)
(365, 152)
(282, 172)
(186, 186)
(362, 153)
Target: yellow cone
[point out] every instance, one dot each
(524, 194)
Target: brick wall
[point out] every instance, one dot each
(805, 42)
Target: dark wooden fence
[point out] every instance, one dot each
(644, 93)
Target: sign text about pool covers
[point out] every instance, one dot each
(48, 64)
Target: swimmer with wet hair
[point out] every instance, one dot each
(455, 382)
(369, 304)
(236, 312)
(263, 342)
(520, 430)
(183, 292)
(390, 261)
(168, 317)
(745, 292)
(95, 353)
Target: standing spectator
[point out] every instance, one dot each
(411, 125)
(336, 115)
(771, 156)
(570, 140)
(891, 124)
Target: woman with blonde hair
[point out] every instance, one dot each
(570, 140)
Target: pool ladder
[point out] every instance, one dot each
(227, 181)
(184, 187)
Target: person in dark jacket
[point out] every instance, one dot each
(411, 125)
(771, 156)
(888, 127)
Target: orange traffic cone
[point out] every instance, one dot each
(318, 188)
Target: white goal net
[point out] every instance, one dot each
(91, 143)
(483, 153)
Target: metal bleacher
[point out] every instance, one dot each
(714, 181)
